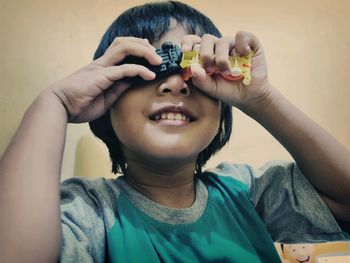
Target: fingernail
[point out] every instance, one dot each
(159, 58)
(152, 74)
(185, 48)
(197, 47)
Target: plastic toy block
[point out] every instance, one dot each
(171, 55)
(240, 66)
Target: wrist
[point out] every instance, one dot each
(257, 105)
(48, 101)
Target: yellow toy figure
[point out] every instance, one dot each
(240, 66)
(298, 253)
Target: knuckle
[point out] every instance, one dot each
(241, 33)
(145, 40)
(222, 63)
(207, 59)
(124, 47)
(206, 35)
(226, 39)
(123, 67)
(244, 35)
(131, 68)
(190, 40)
(209, 37)
(118, 40)
(103, 80)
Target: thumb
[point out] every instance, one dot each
(114, 92)
(203, 81)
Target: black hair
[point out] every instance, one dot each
(152, 21)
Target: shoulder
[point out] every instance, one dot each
(87, 210)
(232, 179)
(100, 188)
(82, 197)
(231, 172)
(272, 174)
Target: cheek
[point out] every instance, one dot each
(213, 113)
(309, 251)
(292, 254)
(210, 127)
(124, 126)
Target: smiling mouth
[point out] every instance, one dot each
(172, 117)
(304, 260)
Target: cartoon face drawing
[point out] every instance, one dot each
(302, 253)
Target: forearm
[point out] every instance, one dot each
(319, 156)
(29, 184)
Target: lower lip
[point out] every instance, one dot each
(306, 260)
(173, 123)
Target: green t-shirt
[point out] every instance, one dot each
(222, 227)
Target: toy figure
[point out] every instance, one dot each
(301, 253)
(240, 66)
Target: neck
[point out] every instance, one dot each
(170, 186)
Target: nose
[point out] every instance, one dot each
(174, 85)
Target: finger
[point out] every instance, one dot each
(129, 48)
(105, 100)
(223, 49)
(142, 41)
(207, 52)
(245, 42)
(116, 73)
(202, 81)
(188, 42)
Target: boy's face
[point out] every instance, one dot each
(166, 121)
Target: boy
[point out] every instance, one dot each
(159, 134)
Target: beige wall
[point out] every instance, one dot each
(306, 42)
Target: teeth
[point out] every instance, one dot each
(172, 116)
(178, 116)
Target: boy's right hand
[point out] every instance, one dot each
(89, 92)
(214, 53)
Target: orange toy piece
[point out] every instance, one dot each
(240, 66)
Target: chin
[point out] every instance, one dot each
(166, 148)
(174, 154)
(171, 154)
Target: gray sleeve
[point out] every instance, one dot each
(290, 206)
(82, 224)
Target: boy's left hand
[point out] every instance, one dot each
(214, 54)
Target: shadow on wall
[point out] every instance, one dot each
(92, 159)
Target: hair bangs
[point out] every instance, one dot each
(153, 20)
